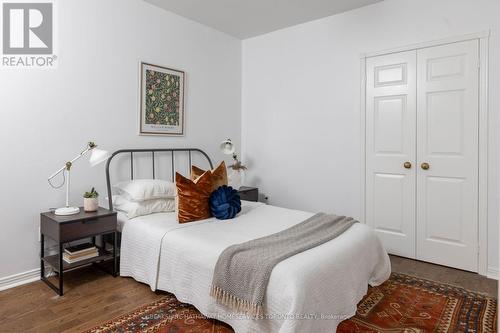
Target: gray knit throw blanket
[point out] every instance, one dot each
(242, 271)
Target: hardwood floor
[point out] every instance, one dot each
(464, 279)
(93, 297)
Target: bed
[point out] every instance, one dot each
(310, 292)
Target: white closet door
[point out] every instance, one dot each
(447, 140)
(390, 143)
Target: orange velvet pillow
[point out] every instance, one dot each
(193, 197)
(219, 175)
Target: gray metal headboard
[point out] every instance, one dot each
(172, 151)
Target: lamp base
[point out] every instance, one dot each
(67, 211)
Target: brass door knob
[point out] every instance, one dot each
(425, 166)
(407, 165)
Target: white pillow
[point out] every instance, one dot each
(146, 189)
(134, 209)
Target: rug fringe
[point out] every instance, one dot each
(235, 303)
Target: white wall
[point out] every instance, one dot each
(301, 99)
(48, 116)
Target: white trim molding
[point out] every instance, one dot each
(483, 38)
(19, 279)
(363, 138)
(483, 154)
(462, 38)
(492, 273)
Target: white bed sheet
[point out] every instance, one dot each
(309, 292)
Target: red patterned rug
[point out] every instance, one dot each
(402, 304)
(412, 305)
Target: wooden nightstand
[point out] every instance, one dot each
(249, 193)
(64, 229)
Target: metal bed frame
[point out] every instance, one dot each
(172, 151)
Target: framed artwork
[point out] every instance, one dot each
(162, 100)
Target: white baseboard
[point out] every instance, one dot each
(492, 273)
(19, 279)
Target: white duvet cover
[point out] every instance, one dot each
(309, 292)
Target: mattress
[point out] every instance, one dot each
(312, 291)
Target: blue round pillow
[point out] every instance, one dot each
(225, 202)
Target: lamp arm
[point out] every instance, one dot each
(68, 164)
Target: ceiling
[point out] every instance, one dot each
(248, 18)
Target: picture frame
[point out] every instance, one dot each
(161, 100)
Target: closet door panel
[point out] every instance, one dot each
(390, 142)
(447, 141)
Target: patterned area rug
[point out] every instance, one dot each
(402, 304)
(412, 305)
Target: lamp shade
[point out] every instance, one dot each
(98, 156)
(227, 147)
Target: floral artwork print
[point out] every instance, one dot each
(162, 100)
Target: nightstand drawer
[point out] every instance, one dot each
(85, 228)
(249, 193)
